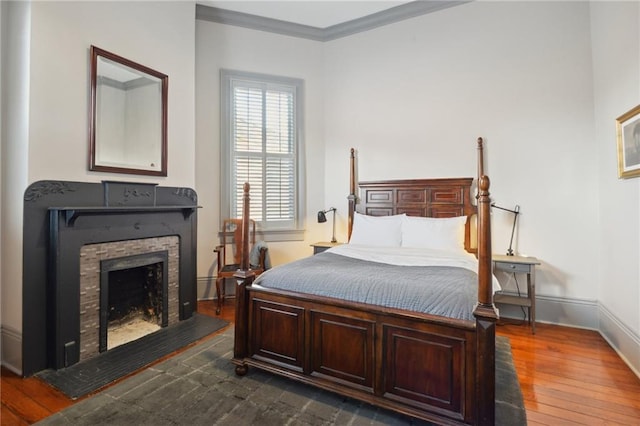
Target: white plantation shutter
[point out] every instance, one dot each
(263, 128)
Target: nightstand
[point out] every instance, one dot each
(321, 246)
(519, 265)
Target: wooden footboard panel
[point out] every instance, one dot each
(413, 364)
(278, 334)
(342, 349)
(426, 370)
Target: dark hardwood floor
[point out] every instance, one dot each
(568, 376)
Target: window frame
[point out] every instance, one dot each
(227, 79)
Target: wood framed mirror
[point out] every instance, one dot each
(128, 123)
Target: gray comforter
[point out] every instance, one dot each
(440, 290)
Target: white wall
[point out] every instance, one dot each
(14, 143)
(412, 97)
(223, 46)
(616, 64)
(52, 134)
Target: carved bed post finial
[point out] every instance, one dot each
(352, 191)
(480, 161)
(352, 170)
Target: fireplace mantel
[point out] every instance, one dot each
(60, 217)
(72, 213)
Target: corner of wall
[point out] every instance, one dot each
(623, 340)
(11, 343)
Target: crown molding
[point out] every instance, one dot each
(254, 22)
(388, 16)
(375, 20)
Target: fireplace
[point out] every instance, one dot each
(100, 248)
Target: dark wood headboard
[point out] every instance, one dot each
(447, 197)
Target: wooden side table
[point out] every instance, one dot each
(321, 246)
(519, 265)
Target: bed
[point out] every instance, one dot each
(437, 365)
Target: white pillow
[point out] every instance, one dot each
(379, 231)
(434, 233)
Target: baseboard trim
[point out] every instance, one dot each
(11, 342)
(577, 313)
(206, 287)
(621, 338)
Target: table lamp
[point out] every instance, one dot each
(322, 218)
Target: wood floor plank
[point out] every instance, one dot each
(46, 395)
(8, 417)
(542, 394)
(539, 418)
(572, 376)
(21, 404)
(575, 386)
(606, 412)
(578, 370)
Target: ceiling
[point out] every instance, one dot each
(313, 13)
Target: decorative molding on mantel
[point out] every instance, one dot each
(44, 188)
(129, 193)
(369, 22)
(186, 193)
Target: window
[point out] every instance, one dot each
(261, 144)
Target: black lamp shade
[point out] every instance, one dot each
(322, 218)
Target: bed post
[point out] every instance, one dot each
(352, 191)
(244, 277)
(485, 312)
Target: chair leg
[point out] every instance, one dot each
(219, 294)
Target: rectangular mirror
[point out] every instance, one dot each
(128, 123)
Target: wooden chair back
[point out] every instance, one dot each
(233, 252)
(232, 239)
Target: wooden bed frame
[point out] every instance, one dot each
(425, 366)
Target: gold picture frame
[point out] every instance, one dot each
(628, 136)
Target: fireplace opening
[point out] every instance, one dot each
(135, 303)
(133, 298)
